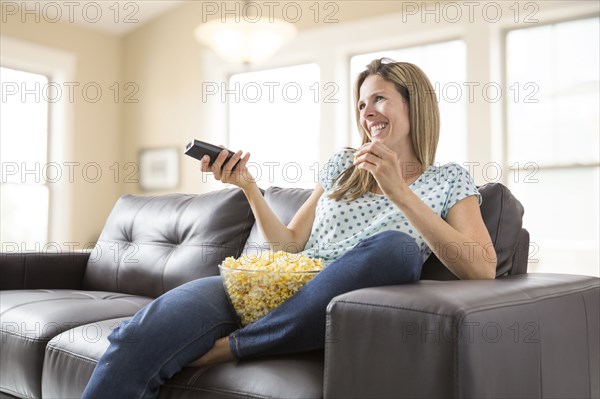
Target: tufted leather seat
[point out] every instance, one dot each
(30, 318)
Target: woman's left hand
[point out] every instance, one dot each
(384, 165)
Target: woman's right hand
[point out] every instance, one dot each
(226, 173)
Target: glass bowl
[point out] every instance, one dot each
(254, 292)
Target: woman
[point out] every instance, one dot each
(376, 214)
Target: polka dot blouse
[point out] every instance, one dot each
(341, 225)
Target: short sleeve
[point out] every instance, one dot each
(337, 164)
(460, 185)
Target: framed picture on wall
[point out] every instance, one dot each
(159, 169)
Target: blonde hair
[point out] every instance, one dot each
(424, 117)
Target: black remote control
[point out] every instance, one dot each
(198, 149)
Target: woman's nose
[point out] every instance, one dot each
(368, 110)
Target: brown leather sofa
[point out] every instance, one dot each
(519, 336)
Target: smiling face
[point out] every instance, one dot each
(384, 113)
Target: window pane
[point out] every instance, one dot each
(562, 216)
(553, 85)
(448, 79)
(24, 214)
(23, 152)
(24, 122)
(276, 118)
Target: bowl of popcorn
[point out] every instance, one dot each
(258, 283)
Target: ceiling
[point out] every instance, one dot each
(119, 17)
(115, 17)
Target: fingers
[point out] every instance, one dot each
(374, 147)
(217, 165)
(227, 171)
(243, 161)
(214, 167)
(232, 163)
(366, 157)
(370, 152)
(204, 164)
(375, 153)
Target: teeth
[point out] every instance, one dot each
(379, 127)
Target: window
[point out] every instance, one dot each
(24, 192)
(448, 79)
(275, 115)
(553, 142)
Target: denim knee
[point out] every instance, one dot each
(398, 250)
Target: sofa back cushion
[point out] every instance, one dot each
(151, 244)
(502, 214)
(285, 202)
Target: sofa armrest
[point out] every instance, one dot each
(531, 335)
(51, 270)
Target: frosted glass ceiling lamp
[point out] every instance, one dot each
(245, 41)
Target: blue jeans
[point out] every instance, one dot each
(183, 324)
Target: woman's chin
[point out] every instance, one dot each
(379, 138)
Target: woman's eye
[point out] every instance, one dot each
(378, 98)
(361, 106)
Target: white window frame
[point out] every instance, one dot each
(506, 164)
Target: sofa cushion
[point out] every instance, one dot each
(71, 358)
(30, 318)
(284, 202)
(503, 217)
(502, 214)
(150, 245)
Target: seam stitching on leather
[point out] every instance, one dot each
(218, 390)
(456, 362)
(474, 310)
(500, 214)
(499, 224)
(587, 341)
(162, 269)
(164, 244)
(24, 268)
(541, 353)
(180, 213)
(326, 360)
(201, 371)
(41, 300)
(16, 394)
(242, 243)
(24, 337)
(71, 354)
(139, 209)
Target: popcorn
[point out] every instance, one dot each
(257, 284)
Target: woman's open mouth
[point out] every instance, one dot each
(378, 128)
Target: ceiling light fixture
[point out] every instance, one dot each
(250, 39)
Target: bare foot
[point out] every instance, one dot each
(219, 353)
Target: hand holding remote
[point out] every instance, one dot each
(229, 170)
(226, 166)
